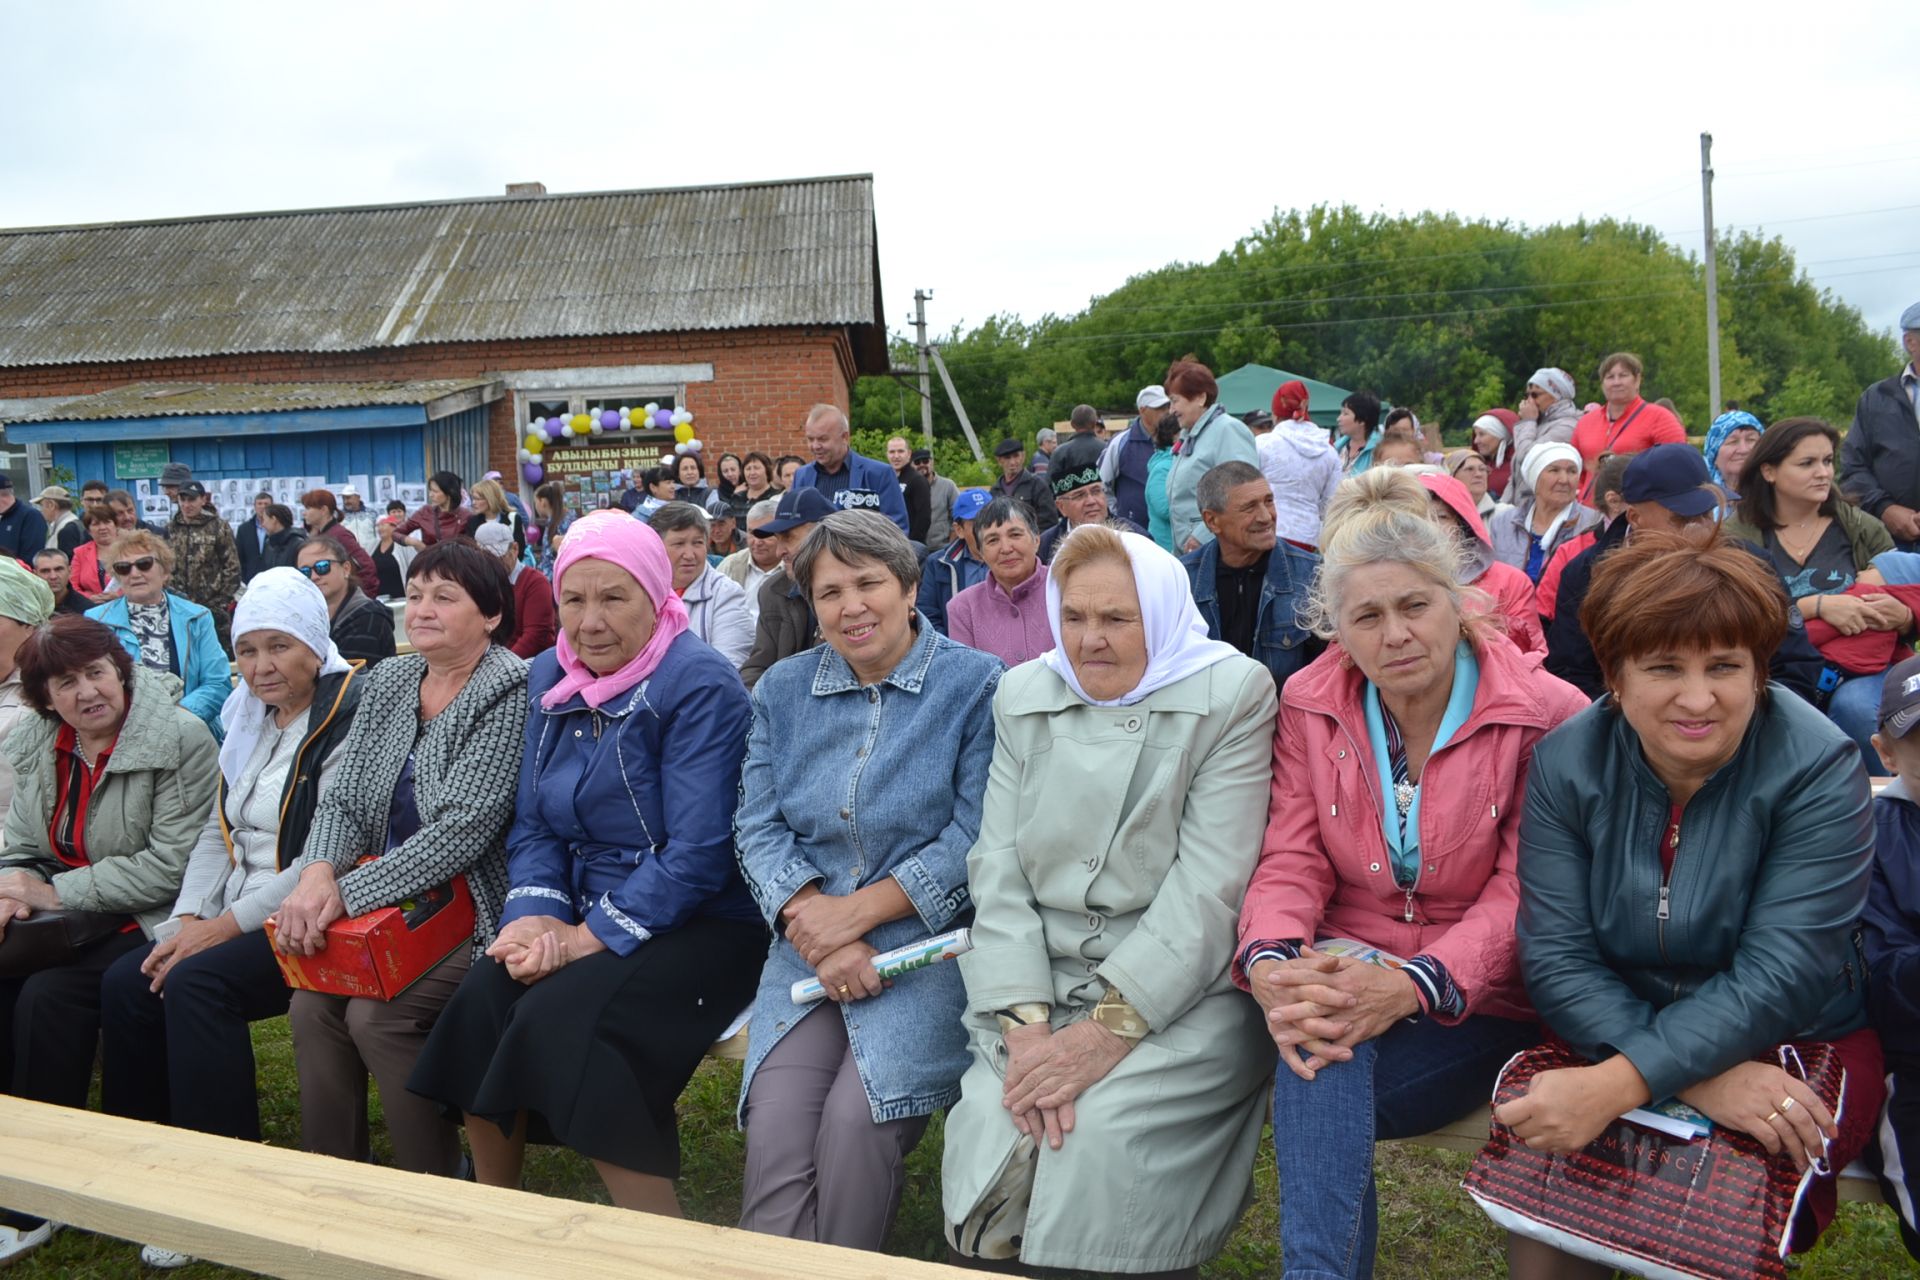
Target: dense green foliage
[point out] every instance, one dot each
(1445, 315)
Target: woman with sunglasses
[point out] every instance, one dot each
(359, 626)
(165, 632)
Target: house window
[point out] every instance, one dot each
(594, 472)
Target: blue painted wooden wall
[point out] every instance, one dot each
(396, 451)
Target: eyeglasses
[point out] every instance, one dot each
(121, 568)
(318, 569)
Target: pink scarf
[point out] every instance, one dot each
(619, 539)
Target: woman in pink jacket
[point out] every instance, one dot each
(1405, 1031)
(1511, 591)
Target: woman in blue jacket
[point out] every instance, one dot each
(860, 800)
(628, 941)
(1694, 853)
(163, 631)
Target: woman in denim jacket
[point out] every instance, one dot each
(859, 801)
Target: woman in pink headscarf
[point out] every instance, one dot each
(628, 941)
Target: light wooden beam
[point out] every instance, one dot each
(308, 1217)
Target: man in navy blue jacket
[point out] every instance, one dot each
(1891, 940)
(23, 530)
(849, 481)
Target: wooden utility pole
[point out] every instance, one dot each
(1713, 280)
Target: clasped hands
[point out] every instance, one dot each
(1323, 1005)
(1047, 1070)
(829, 931)
(22, 894)
(1851, 615)
(536, 947)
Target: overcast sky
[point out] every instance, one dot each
(1027, 157)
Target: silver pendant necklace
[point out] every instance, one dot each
(1403, 794)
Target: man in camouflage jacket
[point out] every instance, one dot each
(206, 560)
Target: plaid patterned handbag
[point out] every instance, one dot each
(1713, 1208)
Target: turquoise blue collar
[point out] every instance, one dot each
(1403, 838)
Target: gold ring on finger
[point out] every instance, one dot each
(1786, 1106)
(1771, 1117)
(844, 989)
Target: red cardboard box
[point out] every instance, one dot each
(382, 953)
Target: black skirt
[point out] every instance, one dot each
(597, 1053)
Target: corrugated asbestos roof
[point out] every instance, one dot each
(197, 399)
(778, 253)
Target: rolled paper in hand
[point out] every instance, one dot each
(891, 964)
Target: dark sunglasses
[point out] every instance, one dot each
(121, 568)
(318, 569)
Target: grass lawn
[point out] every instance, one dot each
(1429, 1229)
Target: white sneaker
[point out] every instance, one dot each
(17, 1242)
(152, 1255)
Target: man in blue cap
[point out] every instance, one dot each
(1880, 458)
(946, 574)
(786, 625)
(1667, 490)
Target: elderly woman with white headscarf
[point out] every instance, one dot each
(186, 1059)
(1110, 1114)
(1546, 414)
(1526, 535)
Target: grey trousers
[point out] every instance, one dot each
(818, 1167)
(337, 1040)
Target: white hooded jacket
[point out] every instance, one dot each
(1300, 465)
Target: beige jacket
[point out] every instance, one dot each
(1115, 847)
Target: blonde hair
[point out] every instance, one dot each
(1381, 516)
(490, 493)
(1087, 545)
(141, 542)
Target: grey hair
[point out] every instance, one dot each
(857, 537)
(672, 517)
(1380, 517)
(833, 411)
(765, 509)
(1211, 492)
(1005, 511)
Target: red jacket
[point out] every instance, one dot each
(87, 576)
(533, 616)
(1870, 652)
(363, 570)
(1324, 870)
(1643, 425)
(1546, 597)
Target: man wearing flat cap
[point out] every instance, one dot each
(1880, 459)
(1018, 483)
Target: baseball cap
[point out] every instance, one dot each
(922, 455)
(55, 493)
(797, 507)
(1153, 397)
(1900, 697)
(1910, 318)
(193, 489)
(969, 503)
(348, 491)
(1671, 475)
(1008, 447)
(493, 536)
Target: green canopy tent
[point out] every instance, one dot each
(1251, 387)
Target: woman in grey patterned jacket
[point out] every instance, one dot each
(426, 789)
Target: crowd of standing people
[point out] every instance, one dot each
(1270, 770)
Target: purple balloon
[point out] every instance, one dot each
(553, 429)
(663, 419)
(533, 472)
(610, 419)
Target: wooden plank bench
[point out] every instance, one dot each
(310, 1217)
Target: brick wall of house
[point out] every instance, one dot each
(764, 380)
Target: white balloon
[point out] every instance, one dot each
(652, 408)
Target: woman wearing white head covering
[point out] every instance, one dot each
(1546, 414)
(1122, 819)
(187, 1060)
(1526, 535)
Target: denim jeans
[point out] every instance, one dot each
(1855, 708)
(1410, 1081)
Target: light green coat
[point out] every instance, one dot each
(1115, 847)
(145, 815)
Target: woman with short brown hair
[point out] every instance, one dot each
(1694, 851)
(1209, 436)
(1625, 423)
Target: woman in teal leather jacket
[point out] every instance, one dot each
(1694, 853)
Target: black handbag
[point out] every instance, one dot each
(47, 939)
